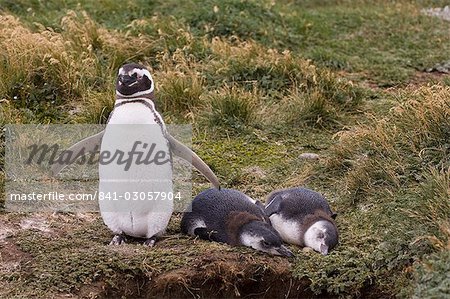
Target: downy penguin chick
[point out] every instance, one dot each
(303, 217)
(229, 216)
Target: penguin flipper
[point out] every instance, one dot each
(187, 154)
(86, 146)
(259, 205)
(206, 234)
(273, 206)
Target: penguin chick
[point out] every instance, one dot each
(303, 217)
(229, 216)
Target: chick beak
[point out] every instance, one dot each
(323, 249)
(282, 250)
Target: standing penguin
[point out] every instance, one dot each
(134, 124)
(229, 216)
(303, 217)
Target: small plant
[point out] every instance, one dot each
(309, 110)
(95, 108)
(231, 108)
(179, 93)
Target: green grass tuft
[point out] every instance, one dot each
(232, 109)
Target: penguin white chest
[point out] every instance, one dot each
(288, 230)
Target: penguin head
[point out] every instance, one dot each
(261, 236)
(322, 236)
(134, 80)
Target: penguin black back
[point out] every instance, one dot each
(288, 202)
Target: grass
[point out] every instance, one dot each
(377, 42)
(262, 82)
(395, 150)
(233, 107)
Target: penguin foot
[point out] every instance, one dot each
(118, 240)
(150, 242)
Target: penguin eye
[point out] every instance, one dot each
(321, 235)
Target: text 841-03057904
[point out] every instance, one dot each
(139, 196)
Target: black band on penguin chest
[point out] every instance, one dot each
(140, 101)
(156, 118)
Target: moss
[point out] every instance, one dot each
(82, 256)
(432, 278)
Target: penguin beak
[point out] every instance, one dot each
(284, 251)
(127, 80)
(323, 249)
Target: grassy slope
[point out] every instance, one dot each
(238, 71)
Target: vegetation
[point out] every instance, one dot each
(262, 82)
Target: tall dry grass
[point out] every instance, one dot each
(397, 149)
(43, 69)
(297, 91)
